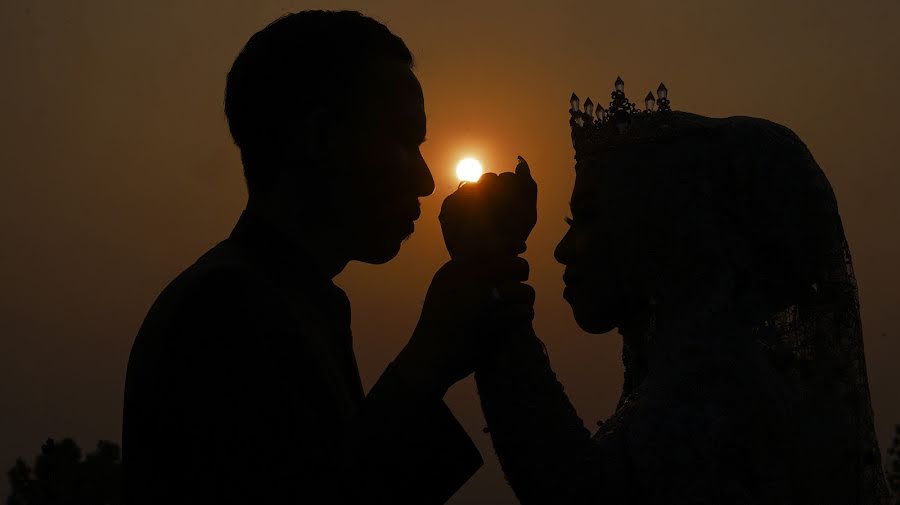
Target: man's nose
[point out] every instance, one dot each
(565, 250)
(423, 180)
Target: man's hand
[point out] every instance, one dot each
(466, 299)
(492, 216)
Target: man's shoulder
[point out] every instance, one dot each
(212, 311)
(220, 282)
(226, 262)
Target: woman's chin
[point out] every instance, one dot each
(592, 320)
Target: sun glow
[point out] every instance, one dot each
(469, 169)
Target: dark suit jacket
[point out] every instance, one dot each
(242, 387)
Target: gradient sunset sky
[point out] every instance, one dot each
(117, 170)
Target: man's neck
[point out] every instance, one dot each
(311, 239)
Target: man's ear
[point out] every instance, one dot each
(314, 138)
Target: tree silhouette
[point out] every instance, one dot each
(893, 466)
(63, 476)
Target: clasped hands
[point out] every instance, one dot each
(481, 291)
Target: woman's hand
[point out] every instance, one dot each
(481, 290)
(493, 216)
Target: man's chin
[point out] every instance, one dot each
(379, 250)
(381, 253)
(379, 256)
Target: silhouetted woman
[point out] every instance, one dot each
(716, 249)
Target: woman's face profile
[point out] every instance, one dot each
(647, 226)
(592, 251)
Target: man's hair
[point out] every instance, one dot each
(299, 62)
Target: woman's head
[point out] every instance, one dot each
(700, 216)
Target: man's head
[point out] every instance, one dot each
(329, 119)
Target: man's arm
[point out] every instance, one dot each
(260, 410)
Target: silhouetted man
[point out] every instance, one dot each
(242, 385)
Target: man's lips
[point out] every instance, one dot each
(409, 218)
(409, 212)
(402, 215)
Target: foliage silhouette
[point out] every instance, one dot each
(892, 466)
(63, 475)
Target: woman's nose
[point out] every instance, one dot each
(565, 250)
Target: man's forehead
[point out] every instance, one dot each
(391, 81)
(390, 91)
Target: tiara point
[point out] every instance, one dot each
(649, 102)
(589, 134)
(662, 91)
(574, 103)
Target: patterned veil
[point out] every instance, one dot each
(770, 367)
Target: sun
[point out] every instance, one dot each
(469, 170)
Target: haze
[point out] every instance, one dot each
(117, 171)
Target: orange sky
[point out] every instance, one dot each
(117, 171)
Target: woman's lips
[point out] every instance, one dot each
(571, 280)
